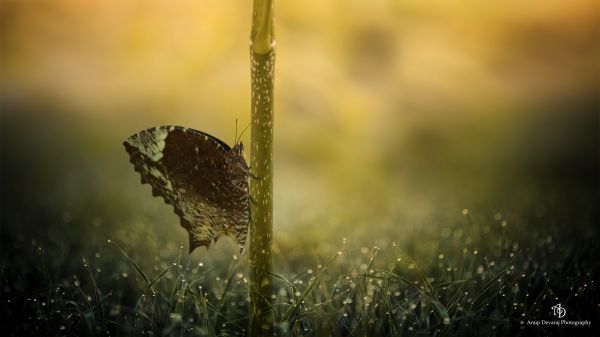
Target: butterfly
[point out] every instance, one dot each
(204, 179)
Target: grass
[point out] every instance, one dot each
(477, 277)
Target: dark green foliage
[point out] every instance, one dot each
(479, 280)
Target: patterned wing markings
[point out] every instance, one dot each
(204, 180)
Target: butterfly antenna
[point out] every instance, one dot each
(235, 138)
(241, 134)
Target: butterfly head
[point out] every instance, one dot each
(239, 149)
(238, 161)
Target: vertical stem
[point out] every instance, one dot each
(262, 58)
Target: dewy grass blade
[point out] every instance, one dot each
(308, 289)
(157, 278)
(137, 268)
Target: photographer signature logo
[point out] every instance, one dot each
(559, 311)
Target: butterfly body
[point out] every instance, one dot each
(204, 179)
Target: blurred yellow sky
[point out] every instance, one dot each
(360, 59)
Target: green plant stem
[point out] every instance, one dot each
(262, 58)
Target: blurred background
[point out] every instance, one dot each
(392, 117)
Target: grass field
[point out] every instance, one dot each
(468, 279)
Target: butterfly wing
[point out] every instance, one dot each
(192, 171)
